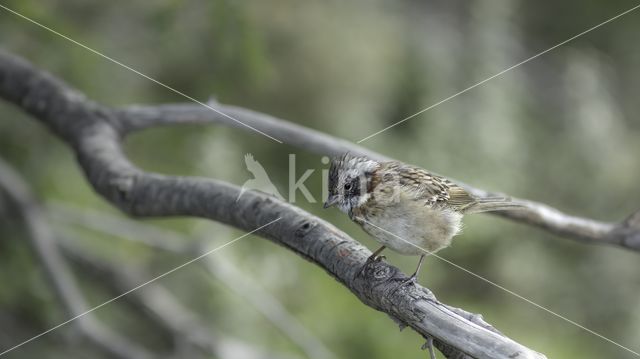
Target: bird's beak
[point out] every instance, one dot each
(331, 201)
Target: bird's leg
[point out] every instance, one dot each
(374, 255)
(429, 345)
(414, 276)
(372, 258)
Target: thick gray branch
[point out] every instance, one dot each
(95, 132)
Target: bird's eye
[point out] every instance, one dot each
(347, 186)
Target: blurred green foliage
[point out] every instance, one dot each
(562, 129)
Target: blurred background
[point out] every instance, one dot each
(562, 129)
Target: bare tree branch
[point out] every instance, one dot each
(135, 118)
(165, 308)
(56, 271)
(95, 132)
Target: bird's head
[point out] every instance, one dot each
(350, 179)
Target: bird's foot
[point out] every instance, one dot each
(375, 257)
(429, 345)
(372, 258)
(413, 279)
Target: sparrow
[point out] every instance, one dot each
(403, 207)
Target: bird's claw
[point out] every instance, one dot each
(374, 258)
(411, 280)
(371, 259)
(364, 266)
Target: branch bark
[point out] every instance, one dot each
(95, 131)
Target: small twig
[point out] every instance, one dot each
(162, 307)
(58, 274)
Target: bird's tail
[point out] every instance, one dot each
(491, 204)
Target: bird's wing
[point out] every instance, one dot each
(433, 189)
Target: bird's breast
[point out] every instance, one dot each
(409, 227)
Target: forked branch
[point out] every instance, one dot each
(95, 133)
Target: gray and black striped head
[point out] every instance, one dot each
(349, 181)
